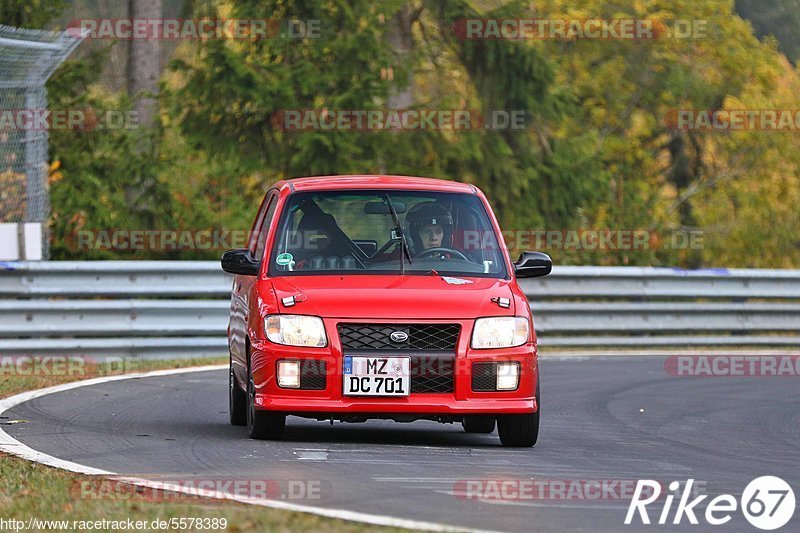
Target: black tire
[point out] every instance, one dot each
(478, 424)
(262, 425)
(237, 401)
(520, 431)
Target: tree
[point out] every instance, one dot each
(144, 65)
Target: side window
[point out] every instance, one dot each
(475, 237)
(262, 209)
(263, 231)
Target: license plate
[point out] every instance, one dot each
(376, 376)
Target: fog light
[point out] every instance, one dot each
(289, 374)
(507, 376)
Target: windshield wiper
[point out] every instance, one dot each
(403, 243)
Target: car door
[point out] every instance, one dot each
(244, 287)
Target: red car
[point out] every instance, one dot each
(363, 297)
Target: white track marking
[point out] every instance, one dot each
(600, 506)
(12, 446)
(310, 455)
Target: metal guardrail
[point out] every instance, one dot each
(181, 279)
(664, 283)
(138, 347)
(188, 279)
(171, 308)
(113, 318)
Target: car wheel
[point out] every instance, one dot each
(262, 425)
(478, 424)
(521, 431)
(237, 401)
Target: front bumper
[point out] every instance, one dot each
(444, 404)
(461, 401)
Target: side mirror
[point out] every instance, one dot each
(533, 265)
(239, 262)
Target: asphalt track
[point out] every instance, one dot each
(603, 418)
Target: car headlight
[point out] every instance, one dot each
(500, 332)
(295, 330)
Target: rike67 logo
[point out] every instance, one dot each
(767, 503)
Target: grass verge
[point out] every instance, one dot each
(32, 491)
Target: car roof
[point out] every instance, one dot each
(327, 183)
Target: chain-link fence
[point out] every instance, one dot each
(27, 59)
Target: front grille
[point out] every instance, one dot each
(430, 375)
(484, 377)
(421, 337)
(312, 374)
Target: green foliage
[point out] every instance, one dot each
(96, 165)
(33, 14)
(233, 89)
(596, 151)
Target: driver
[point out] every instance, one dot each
(429, 225)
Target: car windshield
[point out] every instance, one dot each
(354, 232)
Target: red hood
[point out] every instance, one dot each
(377, 296)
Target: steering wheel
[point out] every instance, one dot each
(440, 250)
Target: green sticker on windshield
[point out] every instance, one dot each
(284, 259)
